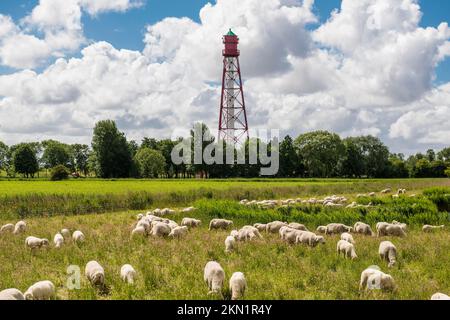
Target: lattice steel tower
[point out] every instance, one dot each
(233, 126)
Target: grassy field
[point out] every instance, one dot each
(173, 269)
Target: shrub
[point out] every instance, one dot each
(440, 197)
(59, 172)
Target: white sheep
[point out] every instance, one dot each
(246, 234)
(388, 252)
(214, 276)
(404, 226)
(42, 290)
(439, 296)
(388, 190)
(191, 222)
(20, 227)
(381, 228)
(372, 194)
(234, 234)
(220, 224)
(95, 273)
(78, 237)
(373, 278)
(348, 237)
(230, 244)
(309, 238)
(275, 226)
(160, 229)
(238, 285)
(363, 228)
(172, 224)
(7, 228)
(347, 249)
(11, 294)
(430, 228)
(58, 240)
(138, 231)
(187, 210)
(395, 230)
(260, 226)
(253, 230)
(139, 216)
(178, 232)
(321, 229)
(66, 234)
(297, 226)
(127, 273)
(144, 223)
(337, 228)
(36, 243)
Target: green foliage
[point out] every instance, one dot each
(55, 154)
(290, 164)
(150, 163)
(80, 153)
(439, 196)
(59, 173)
(25, 160)
(3, 155)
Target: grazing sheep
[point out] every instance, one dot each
(58, 240)
(178, 232)
(246, 234)
(238, 284)
(388, 252)
(388, 190)
(439, 296)
(290, 235)
(309, 238)
(253, 230)
(337, 228)
(42, 290)
(372, 278)
(36, 243)
(7, 228)
(94, 273)
(430, 228)
(230, 244)
(66, 234)
(347, 249)
(321, 229)
(191, 222)
(348, 237)
(11, 294)
(401, 191)
(260, 226)
(78, 236)
(395, 230)
(20, 227)
(275, 226)
(404, 226)
(381, 228)
(144, 223)
(160, 229)
(297, 226)
(138, 231)
(139, 216)
(127, 273)
(220, 224)
(214, 277)
(372, 194)
(187, 210)
(234, 234)
(363, 228)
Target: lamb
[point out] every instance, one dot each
(395, 230)
(275, 226)
(439, 296)
(348, 237)
(238, 284)
(337, 228)
(94, 273)
(58, 240)
(297, 226)
(230, 244)
(78, 237)
(66, 234)
(220, 224)
(253, 230)
(347, 249)
(373, 278)
(363, 228)
(20, 227)
(11, 294)
(214, 275)
(42, 290)
(388, 252)
(138, 231)
(260, 226)
(178, 232)
(309, 238)
(190, 222)
(127, 273)
(430, 228)
(36, 243)
(7, 228)
(160, 229)
(321, 229)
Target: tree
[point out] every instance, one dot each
(165, 147)
(397, 168)
(289, 161)
(150, 163)
(444, 154)
(150, 143)
(80, 154)
(25, 160)
(55, 153)
(3, 156)
(200, 138)
(431, 155)
(354, 163)
(422, 169)
(111, 150)
(59, 172)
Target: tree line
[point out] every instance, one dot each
(318, 154)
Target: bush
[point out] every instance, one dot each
(59, 173)
(440, 197)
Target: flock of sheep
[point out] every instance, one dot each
(155, 224)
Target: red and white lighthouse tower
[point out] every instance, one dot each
(233, 126)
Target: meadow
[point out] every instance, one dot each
(173, 269)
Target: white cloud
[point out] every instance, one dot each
(95, 7)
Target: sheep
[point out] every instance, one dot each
(395, 230)
(337, 228)
(246, 234)
(348, 237)
(78, 237)
(214, 275)
(66, 234)
(381, 228)
(388, 252)
(220, 224)
(347, 249)
(187, 210)
(401, 191)
(238, 284)
(290, 235)
(363, 228)
(297, 226)
(321, 229)
(373, 278)
(430, 228)
(144, 223)
(95, 273)
(260, 226)
(42, 290)
(190, 222)
(439, 296)
(20, 227)
(388, 190)
(11, 294)
(230, 244)
(372, 194)
(234, 234)
(58, 240)
(139, 216)
(7, 228)
(160, 229)
(36, 243)
(127, 273)
(253, 230)
(172, 224)
(166, 211)
(275, 226)
(178, 232)
(309, 238)
(404, 226)
(138, 231)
